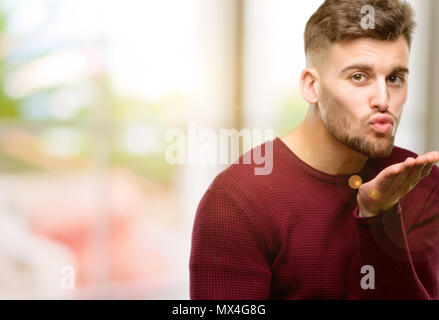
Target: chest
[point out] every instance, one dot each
(319, 256)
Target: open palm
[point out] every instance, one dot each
(384, 192)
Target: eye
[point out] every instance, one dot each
(396, 79)
(359, 77)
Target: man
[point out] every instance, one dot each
(344, 214)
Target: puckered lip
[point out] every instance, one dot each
(381, 118)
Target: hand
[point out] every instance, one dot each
(384, 192)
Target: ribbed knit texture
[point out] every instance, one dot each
(296, 234)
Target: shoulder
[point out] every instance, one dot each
(256, 192)
(253, 173)
(249, 192)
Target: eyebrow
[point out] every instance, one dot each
(366, 67)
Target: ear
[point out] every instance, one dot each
(309, 85)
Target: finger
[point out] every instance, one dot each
(421, 165)
(430, 157)
(406, 168)
(413, 177)
(426, 171)
(435, 156)
(385, 178)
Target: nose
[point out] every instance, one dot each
(380, 97)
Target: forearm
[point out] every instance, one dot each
(363, 213)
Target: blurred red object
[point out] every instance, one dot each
(98, 218)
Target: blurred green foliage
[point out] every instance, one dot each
(9, 108)
(105, 110)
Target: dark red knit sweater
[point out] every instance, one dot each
(296, 234)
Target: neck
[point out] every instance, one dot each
(314, 145)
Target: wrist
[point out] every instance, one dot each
(362, 213)
(366, 214)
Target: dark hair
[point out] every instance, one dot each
(338, 20)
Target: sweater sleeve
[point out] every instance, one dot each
(423, 239)
(406, 262)
(228, 256)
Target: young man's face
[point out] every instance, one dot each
(360, 79)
